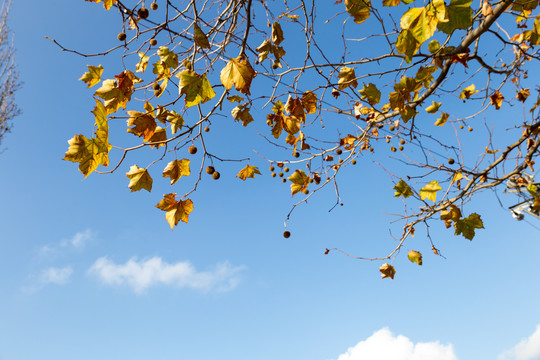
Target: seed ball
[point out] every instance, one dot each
(280, 174)
(393, 149)
(272, 168)
(153, 42)
(286, 169)
(461, 126)
(388, 141)
(402, 142)
(275, 66)
(305, 191)
(400, 148)
(339, 151)
(392, 128)
(210, 170)
(284, 180)
(470, 128)
(157, 93)
(286, 234)
(156, 86)
(451, 161)
(122, 36)
(215, 175)
(273, 174)
(154, 6)
(340, 161)
(296, 154)
(193, 150)
(143, 13)
(371, 149)
(207, 129)
(353, 162)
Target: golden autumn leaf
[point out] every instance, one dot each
(143, 124)
(415, 257)
(371, 94)
(139, 179)
(176, 169)
(277, 34)
(442, 120)
(159, 136)
(466, 226)
(430, 191)
(294, 106)
(468, 92)
(101, 139)
(496, 99)
(309, 102)
(143, 62)
(452, 213)
(82, 150)
(238, 72)
(248, 172)
(433, 108)
(176, 121)
(176, 210)
(300, 181)
(196, 87)
(200, 37)
(93, 76)
(241, 113)
(347, 77)
(358, 9)
(117, 93)
(402, 189)
(388, 271)
(523, 94)
(107, 4)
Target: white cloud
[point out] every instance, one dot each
(78, 241)
(526, 349)
(58, 276)
(383, 345)
(140, 275)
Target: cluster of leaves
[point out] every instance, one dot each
(430, 52)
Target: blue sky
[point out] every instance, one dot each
(91, 270)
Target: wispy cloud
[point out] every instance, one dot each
(141, 275)
(526, 349)
(78, 241)
(58, 276)
(383, 345)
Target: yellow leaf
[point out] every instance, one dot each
(415, 257)
(491, 151)
(358, 9)
(430, 191)
(241, 112)
(523, 94)
(277, 34)
(139, 179)
(442, 120)
(468, 92)
(300, 181)
(101, 139)
(117, 93)
(176, 169)
(196, 87)
(433, 108)
(452, 213)
(347, 77)
(309, 102)
(200, 37)
(235, 98)
(143, 124)
(82, 150)
(106, 3)
(295, 107)
(143, 62)
(239, 72)
(371, 93)
(248, 172)
(387, 270)
(176, 210)
(176, 121)
(93, 76)
(160, 135)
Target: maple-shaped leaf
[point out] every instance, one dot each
(196, 87)
(295, 107)
(459, 14)
(176, 210)
(248, 172)
(82, 150)
(466, 226)
(348, 141)
(402, 189)
(176, 121)
(468, 92)
(523, 94)
(300, 181)
(101, 140)
(371, 93)
(241, 112)
(143, 124)
(430, 191)
(117, 93)
(107, 4)
(442, 120)
(452, 213)
(347, 77)
(277, 34)
(407, 44)
(496, 99)
(93, 76)
(235, 98)
(415, 257)
(358, 9)
(239, 72)
(291, 124)
(168, 58)
(143, 62)
(387, 271)
(139, 179)
(200, 37)
(424, 75)
(309, 102)
(176, 169)
(433, 108)
(159, 137)
(391, 2)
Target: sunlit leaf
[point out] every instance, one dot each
(235, 98)
(430, 191)
(107, 4)
(143, 62)
(159, 137)
(239, 72)
(452, 213)
(347, 77)
(176, 121)
(309, 102)
(117, 93)
(402, 189)
(358, 9)
(196, 87)
(371, 94)
(300, 181)
(388, 271)
(523, 94)
(176, 210)
(176, 169)
(200, 37)
(442, 120)
(294, 106)
(466, 227)
(241, 113)
(468, 92)
(496, 99)
(139, 179)
(433, 108)
(277, 34)
(459, 14)
(415, 257)
(248, 172)
(93, 76)
(143, 124)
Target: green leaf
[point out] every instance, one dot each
(93, 76)
(467, 226)
(200, 37)
(402, 189)
(459, 14)
(196, 87)
(371, 93)
(407, 44)
(430, 191)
